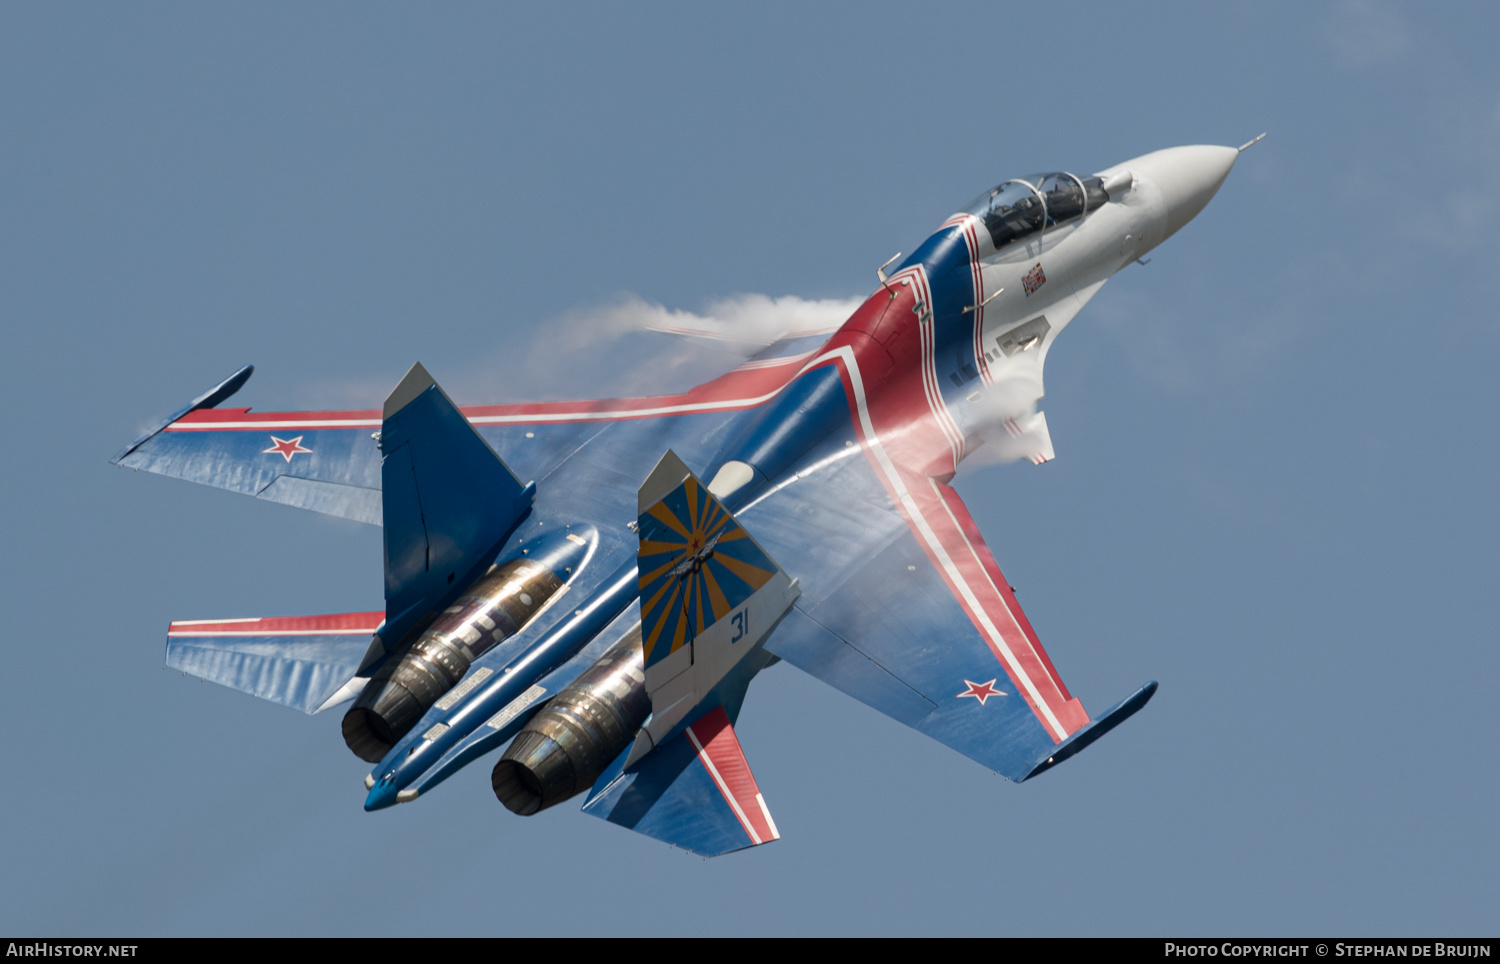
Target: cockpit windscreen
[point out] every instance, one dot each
(1023, 206)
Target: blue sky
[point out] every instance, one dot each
(1274, 489)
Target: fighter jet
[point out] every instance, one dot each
(601, 622)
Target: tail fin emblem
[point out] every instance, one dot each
(697, 565)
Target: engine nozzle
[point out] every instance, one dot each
(563, 749)
(494, 608)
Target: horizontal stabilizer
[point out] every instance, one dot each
(695, 792)
(299, 661)
(448, 500)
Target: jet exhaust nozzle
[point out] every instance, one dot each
(563, 749)
(494, 608)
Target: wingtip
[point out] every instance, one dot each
(225, 389)
(1110, 719)
(209, 399)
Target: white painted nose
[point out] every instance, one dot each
(1188, 177)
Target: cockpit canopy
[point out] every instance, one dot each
(1023, 206)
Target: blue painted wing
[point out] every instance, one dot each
(299, 661)
(330, 461)
(695, 792)
(904, 609)
(324, 461)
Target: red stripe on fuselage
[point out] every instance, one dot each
(976, 271)
(926, 349)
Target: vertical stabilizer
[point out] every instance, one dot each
(448, 501)
(709, 597)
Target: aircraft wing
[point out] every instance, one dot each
(330, 461)
(904, 608)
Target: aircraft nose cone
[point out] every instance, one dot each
(1188, 177)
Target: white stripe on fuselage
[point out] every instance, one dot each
(927, 337)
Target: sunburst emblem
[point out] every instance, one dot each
(696, 565)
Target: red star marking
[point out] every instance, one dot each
(286, 448)
(980, 691)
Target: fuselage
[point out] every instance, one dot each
(943, 358)
(951, 347)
